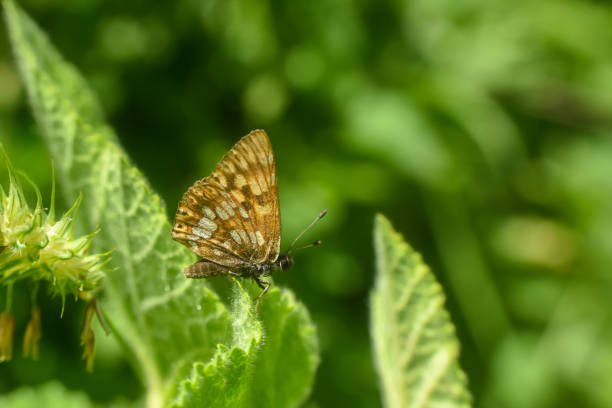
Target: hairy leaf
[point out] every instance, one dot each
(414, 341)
(275, 378)
(189, 347)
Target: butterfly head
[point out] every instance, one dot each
(285, 262)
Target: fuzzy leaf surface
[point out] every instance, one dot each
(415, 346)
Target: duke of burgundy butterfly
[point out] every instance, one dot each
(232, 218)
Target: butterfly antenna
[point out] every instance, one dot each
(321, 215)
(317, 242)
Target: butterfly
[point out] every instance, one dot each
(232, 218)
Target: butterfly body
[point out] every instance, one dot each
(205, 269)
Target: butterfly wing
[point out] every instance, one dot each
(232, 217)
(254, 186)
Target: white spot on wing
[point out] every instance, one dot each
(244, 236)
(235, 237)
(229, 199)
(200, 232)
(264, 209)
(208, 212)
(222, 213)
(272, 178)
(227, 244)
(192, 237)
(254, 186)
(207, 224)
(238, 195)
(244, 213)
(228, 208)
(253, 237)
(260, 239)
(239, 181)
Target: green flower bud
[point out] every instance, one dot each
(37, 248)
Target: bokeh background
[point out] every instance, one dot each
(480, 128)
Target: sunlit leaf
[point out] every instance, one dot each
(415, 346)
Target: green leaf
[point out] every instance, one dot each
(188, 346)
(50, 395)
(223, 381)
(414, 341)
(275, 378)
(291, 354)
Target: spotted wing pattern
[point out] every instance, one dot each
(232, 217)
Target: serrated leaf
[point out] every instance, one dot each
(290, 356)
(185, 342)
(223, 381)
(280, 375)
(415, 345)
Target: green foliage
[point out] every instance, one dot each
(50, 395)
(415, 346)
(481, 128)
(236, 379)
(187, 345)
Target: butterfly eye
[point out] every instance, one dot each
(286, 263)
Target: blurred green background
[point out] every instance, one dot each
(480, 128)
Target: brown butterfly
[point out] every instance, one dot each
(232, 218)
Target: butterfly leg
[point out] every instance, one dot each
(232, 275)
(265, 286)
